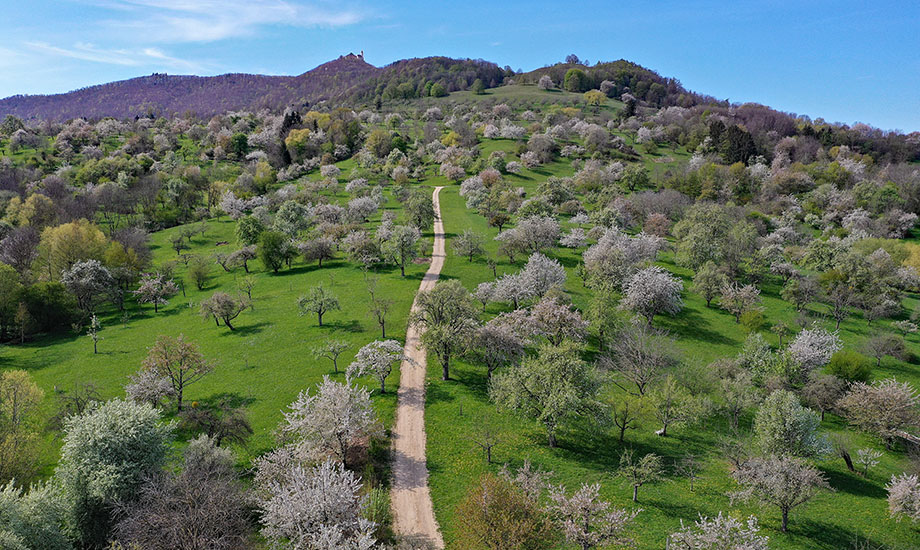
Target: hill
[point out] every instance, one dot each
(346, 79)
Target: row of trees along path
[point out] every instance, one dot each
(411, 498)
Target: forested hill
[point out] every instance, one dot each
(343, 80)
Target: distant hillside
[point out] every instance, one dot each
(163, 94)
(346, 79)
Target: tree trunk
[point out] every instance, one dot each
(551, 439)
(445, 370)
(319, 317)
(622, 432)
(635, 493)
(402, 269)
(383, 387)
(94, 347)
(229, 326)
(785, 520)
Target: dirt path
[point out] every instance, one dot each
(411, 499)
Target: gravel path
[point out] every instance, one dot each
(411, 499)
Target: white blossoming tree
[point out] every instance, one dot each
(377, 359)
(813, 348)
(652, 291)
(588, 521)
(331, 420)
(720, 533)
(317, 509)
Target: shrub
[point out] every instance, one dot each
(850, 365)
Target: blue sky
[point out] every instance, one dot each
(844, 61)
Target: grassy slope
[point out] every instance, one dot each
(263, 364)
(457, 408)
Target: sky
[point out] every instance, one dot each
(843, 61)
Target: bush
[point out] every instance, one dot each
(850, 365)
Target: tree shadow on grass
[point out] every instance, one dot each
(691, 325)
(828, 535)
(435, 393)
(352, 325)
(854, 484)
(246, 330)
(229, 399)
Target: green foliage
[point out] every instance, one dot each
(478, 87)
(850, 366)
(273, 250)
(575, 81)
(437, 90)
(249, 230)
(554, 386)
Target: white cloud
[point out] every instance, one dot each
(212, 20)
(124, 57)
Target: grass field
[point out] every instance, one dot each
(262, 365)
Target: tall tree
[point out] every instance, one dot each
(553, 387)
(178, 360)
(447, 314)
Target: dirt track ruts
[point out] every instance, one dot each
(410, 497)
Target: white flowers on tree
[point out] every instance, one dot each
(317, 509)
(542, 274)
(885, 407)
(652, 291)
(377, 359)
(589, 522)
(904, 497)
(720, 533)
(785, 482)
(155, 289)
(813, 348)
(330, 421)
(616, 256)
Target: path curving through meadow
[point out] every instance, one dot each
(410, 497)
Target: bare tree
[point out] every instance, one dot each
(223, 307)
(203, 506)
(625, 414)
(640, 356)
(689, 467)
